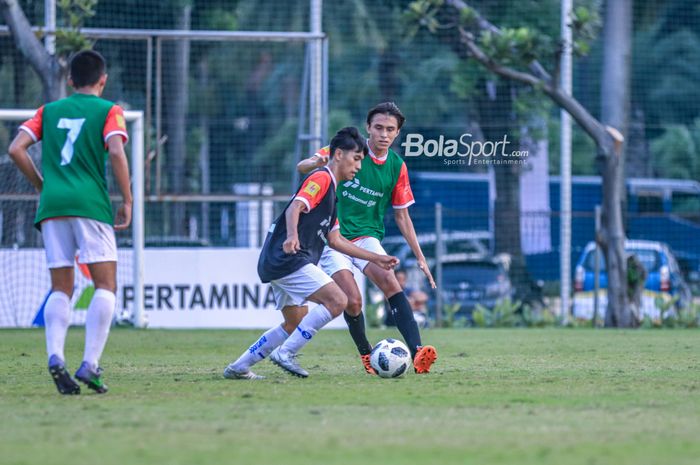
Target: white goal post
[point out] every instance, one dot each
(137, 178)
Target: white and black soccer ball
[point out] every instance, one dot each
(126, 318)
(390, 358)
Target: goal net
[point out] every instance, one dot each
(24, 276)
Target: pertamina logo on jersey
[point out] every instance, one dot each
(120, 122)
(355, 184)
(312, 189)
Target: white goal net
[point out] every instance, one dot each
(24, 277)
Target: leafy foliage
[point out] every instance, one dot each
(676, 152)
(449, 316)
(515, 46)
(76, 12)
(510, 314)
(673, 317)
(585, 24)
(503, 315)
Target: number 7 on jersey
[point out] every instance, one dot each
(74, 125)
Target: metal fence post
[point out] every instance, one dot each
(596, 269)
(438, 264)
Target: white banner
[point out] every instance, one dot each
(207, 288)
(183, 288)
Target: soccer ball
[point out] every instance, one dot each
(390, 358)
(126, 318)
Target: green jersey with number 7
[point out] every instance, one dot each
(74, 132)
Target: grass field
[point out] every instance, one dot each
(552, 396)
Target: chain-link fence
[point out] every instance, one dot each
(226, 121)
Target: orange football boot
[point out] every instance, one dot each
(424, 359)
(368, 366)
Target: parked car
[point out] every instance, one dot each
(468, 282)
(474, 243)
(470, 273)
(664, 279)
(460, 245)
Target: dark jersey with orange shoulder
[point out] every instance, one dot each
(317, 193)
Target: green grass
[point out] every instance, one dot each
(552, 396)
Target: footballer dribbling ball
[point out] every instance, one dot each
(390, 358)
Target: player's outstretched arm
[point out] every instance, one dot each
(342, 245)
(405, 224)
(291, 216)
(311, 163)
(120, 167)
(19, 155)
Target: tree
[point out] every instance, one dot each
(175, 88)
(52, 69)
(512, 54)
(614, 105)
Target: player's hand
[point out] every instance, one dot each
(123, 219)
(291, 245)
(388, 262)
(320, 161)
(423, 265)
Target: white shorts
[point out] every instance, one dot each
(333, 261)
(295, 288)
(64, 236)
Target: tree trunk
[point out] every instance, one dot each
(204, 145)
(20, 77)
(50, 70)
(389, 81)
(535, 209)
(495, 115)
(55, 81)
(176, 99)
(614, 112)
(639, 164)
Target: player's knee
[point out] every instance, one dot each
(290, 326)
(105, 281)
(293, 318)
(337, 304)
(388, 284)
(106, 285)
(65, 289)
(354, 306)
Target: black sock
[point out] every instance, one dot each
(403, 315)
(356, 326)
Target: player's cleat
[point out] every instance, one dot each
(91, 378)
(288, 362)
(424, 359)
(64, 383)
(231, 373)
(368, 366)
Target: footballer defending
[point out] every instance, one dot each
(292, 249)
(362, 204)
(78, 134)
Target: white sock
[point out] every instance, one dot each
(97, 324)
(57, 320)
(308, 327)
(268, 342)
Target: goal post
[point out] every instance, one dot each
(137, 213)
(136, 118)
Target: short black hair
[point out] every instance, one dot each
(86, 68)
(386, 108)
(349, 138)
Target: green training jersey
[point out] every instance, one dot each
(74, 132)
(362, 202)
